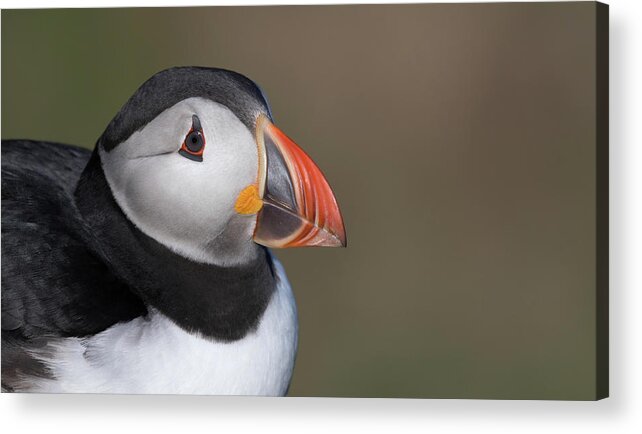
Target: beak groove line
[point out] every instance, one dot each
(300, 208)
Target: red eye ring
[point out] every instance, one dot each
(194, 142)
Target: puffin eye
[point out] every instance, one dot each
(194, 142)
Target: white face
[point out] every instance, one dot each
(188, 205)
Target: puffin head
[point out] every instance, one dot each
(194, 161)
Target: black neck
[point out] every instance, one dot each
(224, 303)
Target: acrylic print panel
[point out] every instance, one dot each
(460, 150)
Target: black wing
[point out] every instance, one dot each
(52, 284)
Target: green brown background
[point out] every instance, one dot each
(460, 141)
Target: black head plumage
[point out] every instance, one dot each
(166, 88)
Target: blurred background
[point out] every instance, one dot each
(459, 140)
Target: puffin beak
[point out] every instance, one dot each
(299, 208)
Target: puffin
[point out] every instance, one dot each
(145, 265)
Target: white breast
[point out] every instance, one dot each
(154, 355)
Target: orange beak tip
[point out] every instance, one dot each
(300, 208)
